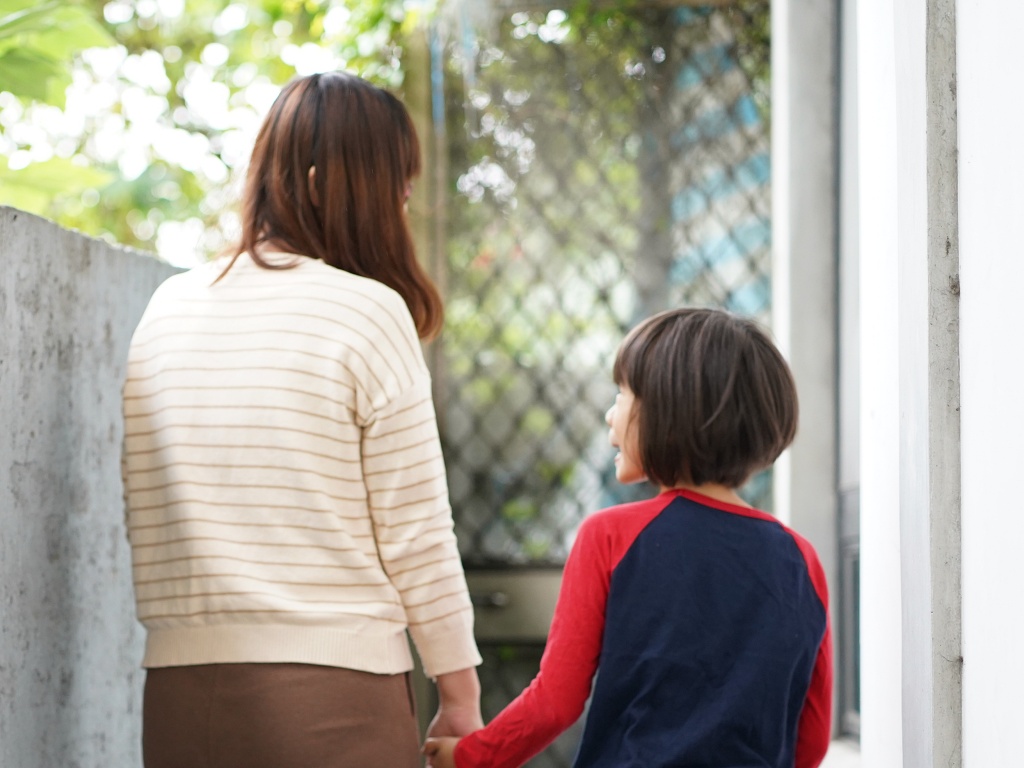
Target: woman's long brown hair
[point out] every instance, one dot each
(362, 143)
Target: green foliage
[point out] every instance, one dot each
(155, 133)
(753, 44)
(37, 43)
(520, 510)
(36, 188)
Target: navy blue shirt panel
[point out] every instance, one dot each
(711, 634)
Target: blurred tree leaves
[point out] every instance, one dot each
(133, 119)
(37, 46)
(38, 186)
(37, 43)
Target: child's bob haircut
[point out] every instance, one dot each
(715, 401)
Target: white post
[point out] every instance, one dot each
(910, 397)
(910, 491)
(881, 616)
(928, 382)
(991, 196)
(804, 286)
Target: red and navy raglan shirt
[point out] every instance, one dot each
(707, 626)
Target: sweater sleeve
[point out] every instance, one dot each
(557, 695)
(412, 521)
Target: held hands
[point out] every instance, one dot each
(458, 715)
(440, 752)
(454, 720)
(449, 724)
(458, 711)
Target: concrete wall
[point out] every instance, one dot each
(910, 534)
(70, 685)
(914, 712)
(928, 382)
(992, 377)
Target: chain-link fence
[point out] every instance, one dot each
(605, 165)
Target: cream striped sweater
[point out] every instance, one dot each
(287, 499)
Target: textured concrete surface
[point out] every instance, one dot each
(70, 686)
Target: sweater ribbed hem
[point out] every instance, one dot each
(449, 649)
(270, 644)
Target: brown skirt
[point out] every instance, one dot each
(277, 716)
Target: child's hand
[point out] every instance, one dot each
(440, 752)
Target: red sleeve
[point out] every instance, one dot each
(814, 731)
(557, 695)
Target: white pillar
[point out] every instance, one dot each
(804, 260)
(991, 195)
(880, 614)
(929, 384)
(910, 355)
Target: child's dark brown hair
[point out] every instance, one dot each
(362, 143)
(715, 400)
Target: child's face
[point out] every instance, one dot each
(623, 436)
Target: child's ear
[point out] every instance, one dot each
(311, 177)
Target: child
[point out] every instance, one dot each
(705, 620)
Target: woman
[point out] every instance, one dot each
(288, 508)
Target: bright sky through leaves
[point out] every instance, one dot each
(155, 130)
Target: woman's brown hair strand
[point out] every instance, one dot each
(363, 146)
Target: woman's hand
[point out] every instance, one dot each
(458, 711)
(453, 720)
(440, 752)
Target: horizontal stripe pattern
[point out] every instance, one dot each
(283, 469)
